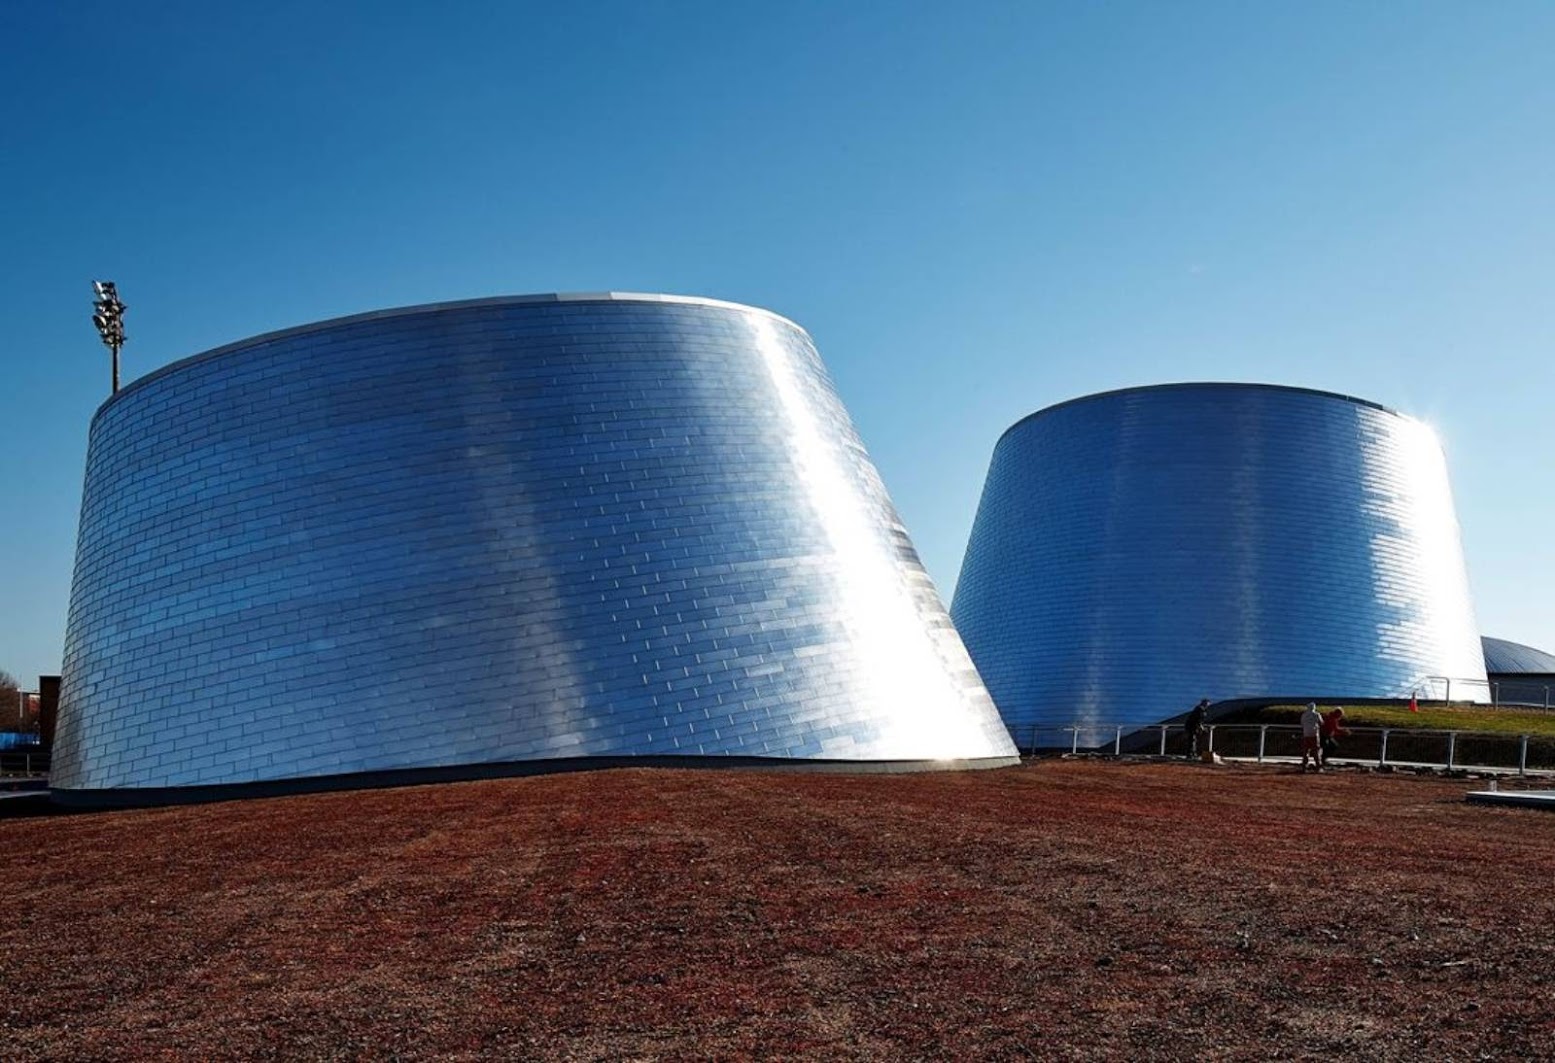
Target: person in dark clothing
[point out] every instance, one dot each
(1194, 726)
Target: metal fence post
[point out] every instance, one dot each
(22, 759)
(1495, 695)
(1448, 698)
(1546, 697)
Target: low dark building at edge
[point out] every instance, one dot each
(1519, 675)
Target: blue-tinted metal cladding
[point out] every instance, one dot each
(1509, 658)
(520, 529)
(1138, 550)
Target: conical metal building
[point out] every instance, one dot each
(483, 537)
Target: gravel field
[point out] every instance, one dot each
(1061, 910)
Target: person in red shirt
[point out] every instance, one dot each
(1331, 728)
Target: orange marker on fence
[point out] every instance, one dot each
(1412, 706)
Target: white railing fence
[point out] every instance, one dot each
(1380, 746)
(1448, 689)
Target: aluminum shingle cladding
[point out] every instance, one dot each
(500, 531)
(1138, 550)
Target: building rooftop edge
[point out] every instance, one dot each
(430, 308)
(1522, 658)
(1201, 384)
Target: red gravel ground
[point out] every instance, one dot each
(1059, 910)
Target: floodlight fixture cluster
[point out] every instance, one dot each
(108, 316)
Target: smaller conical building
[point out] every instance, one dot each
(1138, 550)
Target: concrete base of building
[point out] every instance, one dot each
(150, 796)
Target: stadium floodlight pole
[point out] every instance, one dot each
(108, 316)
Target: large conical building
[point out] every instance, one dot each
(485, 536)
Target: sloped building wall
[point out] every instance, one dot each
(1138, 550)
(537, 528)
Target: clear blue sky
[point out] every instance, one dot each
(976, 209)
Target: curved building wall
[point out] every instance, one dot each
(508, 530)
(1138, 550)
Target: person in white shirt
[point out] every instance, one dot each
(1311, 727)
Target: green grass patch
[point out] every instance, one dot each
(1481, 719)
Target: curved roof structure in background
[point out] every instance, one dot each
(1511, 658)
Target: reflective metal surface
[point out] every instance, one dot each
(1138, 550)
(1510, 658)
(505, 530)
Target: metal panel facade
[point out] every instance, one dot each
(1138, 550)
(506, 530)
(1508, 658)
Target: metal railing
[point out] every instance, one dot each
(1533, 693)
(1449, 688)
(27, 763)
(1261, 742)
(1521, 692)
